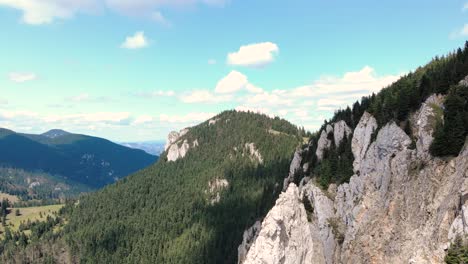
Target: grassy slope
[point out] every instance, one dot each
(29, 213)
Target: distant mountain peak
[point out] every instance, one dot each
(54, 133)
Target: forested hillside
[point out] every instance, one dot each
(395, 103)
(91, 161)
(194, 209)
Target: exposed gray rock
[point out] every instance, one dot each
(464, 82)
(171, 139)
(213, 121)
(294, 168)
(253, 152)
(248, 238)
(425, 120)
(285, 236)
(322, 144)
(401, 208)
(175, 147)
(340, 130)
(323, 213)
(215, 187)
(362, 138)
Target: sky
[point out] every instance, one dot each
(133, 70)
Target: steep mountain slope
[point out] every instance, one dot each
(385, 182)
(214, 180)
(84, 159)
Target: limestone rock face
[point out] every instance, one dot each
(322, 144)
(425, 120)
(293, 168)
(340, 130)
(285, 236)
(321, 222)
(171, 139)
(248, 238)
(253, 152)
(402, 207)
(362, 138)
(215, 187)
(176, 147)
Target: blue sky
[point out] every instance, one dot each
(132, 70)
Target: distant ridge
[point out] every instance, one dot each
(88, 160)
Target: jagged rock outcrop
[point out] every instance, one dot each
(321, 223)
(323, 142)
(425, 120)
(285, 235)
(248, 238)
(175, 147)
(362, 138)
(215, 187)
(253, 152)
(294, 168)
(402, 207)
(339, 129)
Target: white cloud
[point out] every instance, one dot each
(204, 96)
(330, 104)
(21, 77)
(137, 41)
(254, 55)
(158, 17)
(212, 61)
(234, 82)
(153, 94)
(462, 32)
(143, 119)
(105, 117)
(189, 118)
(36, 12)
(135, 7)
(465, 7)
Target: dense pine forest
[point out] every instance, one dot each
(164, 214)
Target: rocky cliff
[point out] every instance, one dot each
(401, 206)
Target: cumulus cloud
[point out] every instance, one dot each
(155, 94)
(142, 119)
(137, 41)
(254, 55)
(203, 96)
(189, 118)
(36, 12)
(308, 104)
(20, 77)
(461, 32)
(465, 7)
(234, 82)
(97, 117)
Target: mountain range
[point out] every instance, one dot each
(90, 161)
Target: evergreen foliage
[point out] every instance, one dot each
(163, 214)
(458, 252)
